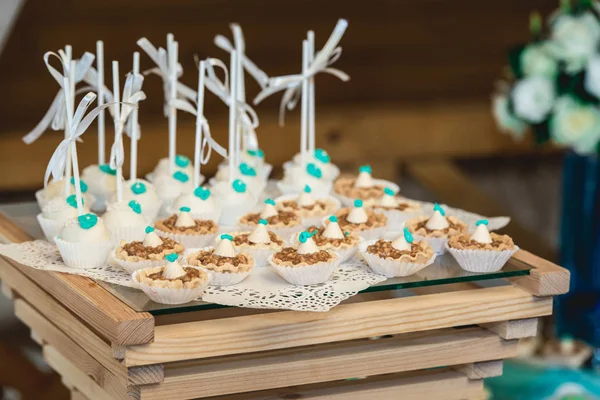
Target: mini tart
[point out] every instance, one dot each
(240, 241)
(225, 271)
(404, 205)
(202, 227)
(464, 242)
(283, 219)
(321, 207)
(137, 252)
(289, 257)
(345, 186)
(193, 278)
(324, 243)
(417, 226)
(304, 269)
(374, 226)
(390, 262)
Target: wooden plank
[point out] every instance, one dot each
(77, 378)
(545, 279)
(106, 314)
(480, 370)
(6, 291)
(76, 330)
(261, 371)
(77, 395)
(345, 322)
(450, 184)
(114, 385)
(439, 384)
(516, 329)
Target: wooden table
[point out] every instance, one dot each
(434, 342)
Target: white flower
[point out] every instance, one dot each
(537, 59)
(505, 120)
(574, 39)
(533, 98)
(591, 82)
(575, 124)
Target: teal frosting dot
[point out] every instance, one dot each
(303, 237)
(307, 189)
(87, 221)
(226, 236)
(346, 233)
(149, 229)
(138, 188)
(172, 257)
(388, 191)
(263, 222)
(181, 176)
(365, 168)
(107, 169)
(182, 161)
(333, 218)
(239, 186)
(82, 185)
(482, 222)
(270, 201)
(437, 207)
(408, 236)
(184, 209)
(322, 156)
(135, 206)
(202, 192)
(255, 153)
(247, 170)
(314, 171)
(72, 201)
(358, 203)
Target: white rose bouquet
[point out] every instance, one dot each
(553, 82)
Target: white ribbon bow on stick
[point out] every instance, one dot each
(79, 125)
(238, 37)
(292, 84)
(160, 57)
(132, 95)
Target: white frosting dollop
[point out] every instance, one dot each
(184, 220)
(357, 215)
(388, 201)
(333, 231)
(268, 210)
(260, 234)
(225, 248)
(120, 214)
(305, 199)
(481, 234)
(401, 244)
(437, 221)
(308, 247)
(152, 240)
(364, 180)
(173, 270)
(73, 232)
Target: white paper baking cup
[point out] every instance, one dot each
(165, 295)
(437, 244)
(396, 218)
(230, 214)
(225, 278)
(213, 215)
(283, 233)
(150, 212)
(50, 227)
(317, 191)
(260, 256)
(189, 241)
(389, 267)
(307, 274)
(84, 255)
(349, 201)
(128, 234)
(481, 261)
(131, 266)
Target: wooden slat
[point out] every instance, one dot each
(6, 290)
(324, 363)
(113, 319)
(349, 321)
(77, 378)
(450, 184)
(480, 370)
(517, 329)
(75, 329)
(439, 384)
(114, 385)
(545, 279)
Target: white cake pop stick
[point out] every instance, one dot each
(118, 130)
(100, 88)
(199, 117)
(311, 95)
(172, 50)
(68, 94)
(304, 110)
(134, 126)
(232, 114)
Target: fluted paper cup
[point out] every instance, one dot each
(307, 274)
(225, 278)
(438, 244)
(396, 218)
(389, 267)
(165, 295)
(83, 255)
(132, 266)
(50, 227)
(481, 261)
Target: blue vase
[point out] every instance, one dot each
(578, 312)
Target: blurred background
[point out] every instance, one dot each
(417, 108)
